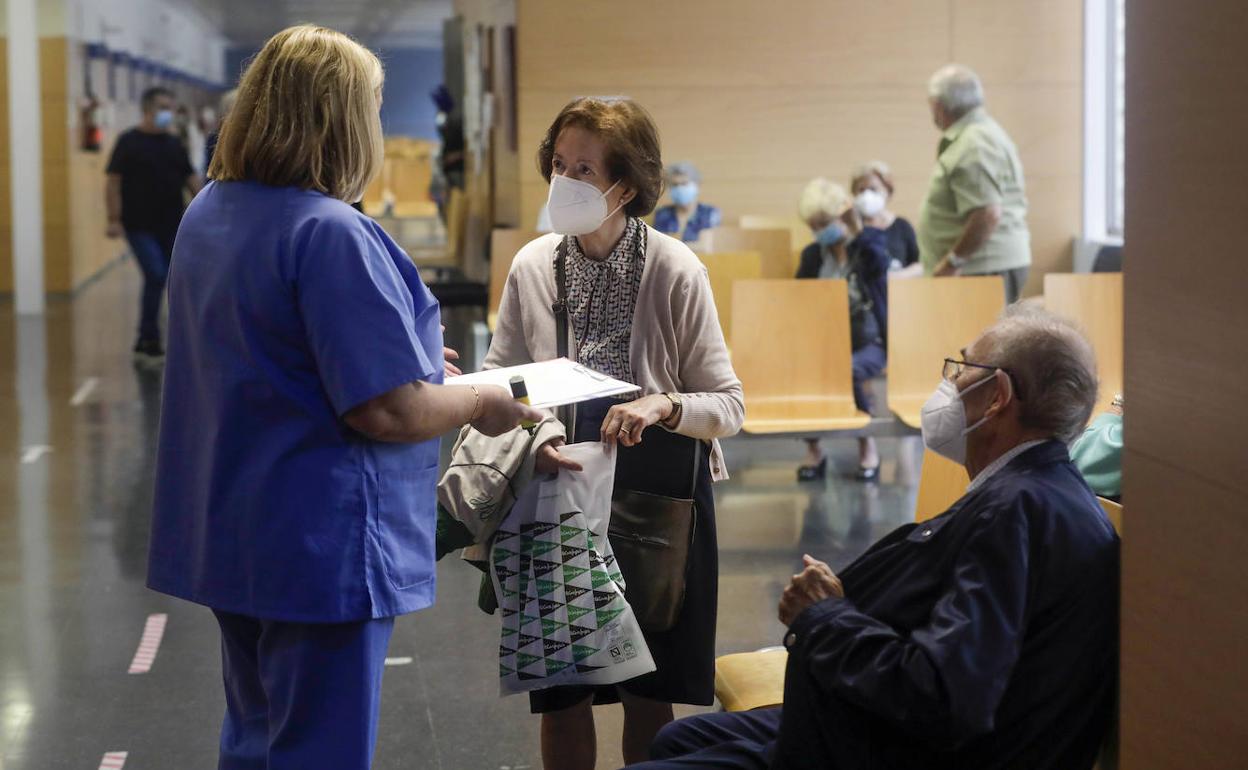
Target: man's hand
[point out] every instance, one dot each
(945, 268)
(550, 461)
(115, 230)
(814, 584)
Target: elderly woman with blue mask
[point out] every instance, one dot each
(686, 217)
(846, 248)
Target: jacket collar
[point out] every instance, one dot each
(1050, 452)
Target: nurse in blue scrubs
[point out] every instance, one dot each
(302, 406)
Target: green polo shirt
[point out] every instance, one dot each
(977, 165)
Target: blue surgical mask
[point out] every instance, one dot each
(831, 235)
(163, 118)
(684, 194)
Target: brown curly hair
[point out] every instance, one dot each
(632, 139)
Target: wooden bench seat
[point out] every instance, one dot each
(750, 680)
(790, 347)
(1094, 301)
(941, 483)
(799, 234)
(775, 246)
(724, 270)
(930, 319)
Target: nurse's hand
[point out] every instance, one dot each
(550, 461)
(499, 412)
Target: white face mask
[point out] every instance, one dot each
(943, 420)
(869, 203)
(576, 207)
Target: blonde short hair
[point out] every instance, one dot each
(822, 197)
(307, 115)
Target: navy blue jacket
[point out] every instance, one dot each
(984, 638)
(869, 261)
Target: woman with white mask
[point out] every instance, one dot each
(847, 248)
(622, 298)
(872, 188)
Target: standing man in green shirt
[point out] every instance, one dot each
(974, 219)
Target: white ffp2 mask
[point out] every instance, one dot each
(576, 207)
(943, 420)
(869, 203)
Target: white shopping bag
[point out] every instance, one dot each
(565, 620)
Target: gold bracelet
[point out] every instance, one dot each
(476, 407)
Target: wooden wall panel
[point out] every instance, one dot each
(598, 48)
(91, 250)
(1184, 681)
(1184, 617)
(1020, 42)
(763, 97)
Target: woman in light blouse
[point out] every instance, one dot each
(639, 309)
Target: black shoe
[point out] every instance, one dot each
(813, 472)
(149, 350)
(868, 474)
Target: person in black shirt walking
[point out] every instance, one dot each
(147, 174)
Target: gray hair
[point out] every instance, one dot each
(686, 169)
(1052, 366)
(957, 88)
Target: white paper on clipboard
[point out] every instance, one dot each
(558, 382)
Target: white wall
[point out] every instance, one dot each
(163, 31)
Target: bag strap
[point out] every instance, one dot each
(561, 299)
(565, 414)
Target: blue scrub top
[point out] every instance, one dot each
(286, 309)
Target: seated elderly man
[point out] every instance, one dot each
(983, 638)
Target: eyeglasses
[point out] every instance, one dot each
(954, 368)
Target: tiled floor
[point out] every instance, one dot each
(77, 429)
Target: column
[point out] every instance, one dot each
(25, 156)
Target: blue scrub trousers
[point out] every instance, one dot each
(742, 740)
(300, 696)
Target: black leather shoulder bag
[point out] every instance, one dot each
(653, 513)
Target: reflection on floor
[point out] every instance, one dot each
(77, 430)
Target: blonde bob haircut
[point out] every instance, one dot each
(822, 199)
(307, 115)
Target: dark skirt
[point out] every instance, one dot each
(684, 656)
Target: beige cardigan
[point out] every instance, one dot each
(677, 344)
